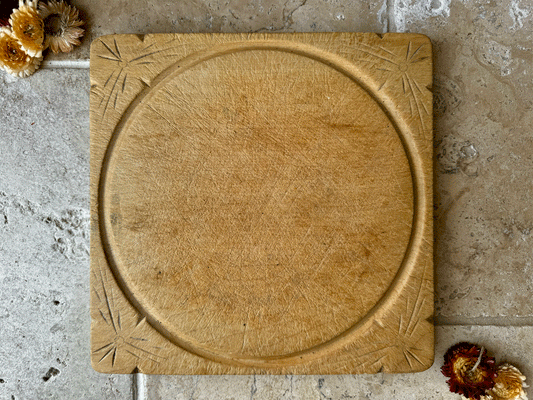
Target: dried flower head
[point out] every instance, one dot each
(470, 369)
(508, 383)
(13, 59)
(62, 26)
(28, 28)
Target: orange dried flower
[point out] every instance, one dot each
(470, 369)
(13, 59)
(62, 26)
(28, 28)
(508, 383)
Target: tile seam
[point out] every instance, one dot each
(66, 64)
(391, 26)
(139, 386)
(484, 321)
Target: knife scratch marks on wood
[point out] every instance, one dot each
(245, 331)
(375, 351)
(171, 123)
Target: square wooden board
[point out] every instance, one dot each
(261, 203)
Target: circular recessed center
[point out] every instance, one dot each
(260, 204)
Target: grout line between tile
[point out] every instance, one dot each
(139, 386)
(484, 321)
(391, 26)
(72, 64)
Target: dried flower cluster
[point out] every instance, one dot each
(13, 58)
(30, 30)
(21, 43)
(475, 376)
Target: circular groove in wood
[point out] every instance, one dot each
(258, 355)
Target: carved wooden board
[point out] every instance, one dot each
(261, 203)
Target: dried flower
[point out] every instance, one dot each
(62, 26)
(13, 58)
(28, 28)
(470, 369)
(508, 383)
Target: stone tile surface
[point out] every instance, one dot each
(44, 239)
(513, 344)
(483, 152)
(145, 16)
(484, 216)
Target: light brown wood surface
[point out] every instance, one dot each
(261, 203)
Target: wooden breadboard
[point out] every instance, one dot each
(261, 203)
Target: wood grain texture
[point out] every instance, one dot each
(261, 203)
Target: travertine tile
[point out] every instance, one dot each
(483, 151)
(512, 344)
(484, 157)
(199, 387)
(44, 241)
(145, 16)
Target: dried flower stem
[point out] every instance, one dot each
(479, 359)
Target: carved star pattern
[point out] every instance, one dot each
(117, 81)
(124, 335)
(399, 67)
(404, 326)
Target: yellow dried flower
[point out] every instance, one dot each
(508, 383)
(28, 28)
(13, 59)
(62, 26)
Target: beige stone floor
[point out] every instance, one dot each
(483, 150)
